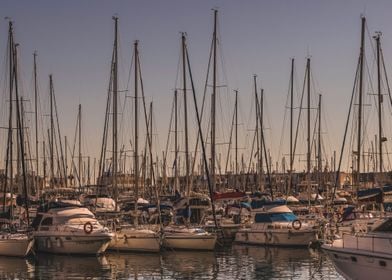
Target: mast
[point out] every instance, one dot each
(150, 148)
(319, 162)
(380, 137)
(9, 162)
(213, 104)
(308, 141)
(175, 142)
(187, 166)
(20, 134)
(258, 135)
(360, 102)
(291, 125)
(115, 84)
(51, 128)
(80, 143)
(261, 139)
(36, 122)
(236, 136)
(136, 159)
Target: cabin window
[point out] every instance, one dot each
(336, 256)
(353, 259)
(383, 263)
(47, 222)
(385, 227)
(36, 221)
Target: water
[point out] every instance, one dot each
(236, 262)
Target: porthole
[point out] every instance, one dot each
(382, 263)
(353, 259)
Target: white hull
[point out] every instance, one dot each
(15, 246)
(136, 241)
(204, 242)
(71, 244)
(276, 238)
(351, 264)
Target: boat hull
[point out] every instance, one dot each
(72, 244)
(16, 247)
(276, 238)
(136, 242)
(354, 265)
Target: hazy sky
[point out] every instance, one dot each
(74, 42)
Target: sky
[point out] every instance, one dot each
(74, 41)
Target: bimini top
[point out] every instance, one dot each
(273, 213)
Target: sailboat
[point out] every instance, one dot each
(14, 240)
(187, 236)
(130, 237)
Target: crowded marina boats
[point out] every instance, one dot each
(202, 192)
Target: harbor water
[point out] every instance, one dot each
(235, 262)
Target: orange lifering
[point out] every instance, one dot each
(88, 227)
(296, 224)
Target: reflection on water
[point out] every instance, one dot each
(70, 267)
(134, 265)
(236, 262)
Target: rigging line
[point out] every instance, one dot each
(282, 134)
(74, 142)
(386, 75)
(299, 118)
(250, 159)
(231, 137)
(203, 101)
(59, 135)
(102, 158)
(149, 137)
(202, 144)
(345, 132)
(168, 135)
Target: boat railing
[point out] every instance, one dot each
(371, 243)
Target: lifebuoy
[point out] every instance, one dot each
(88, 227)
(296, 224)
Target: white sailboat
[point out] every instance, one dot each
(15, 244)
(188, 238)
(13, 240)
(131, 237)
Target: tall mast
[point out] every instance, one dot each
(36, 122)
(80, 143)
(213, 104)
(187, 166)
(261, 138)
(380, 137)
(136, 159)
(9, 163)
(20, 134)
(291, 125)
(51, 128)
(308, 155)
(319, 162)
(236, 135)
(115, 84)
(360, 102)
(150, 148)
(258, 136)
(175, 142)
